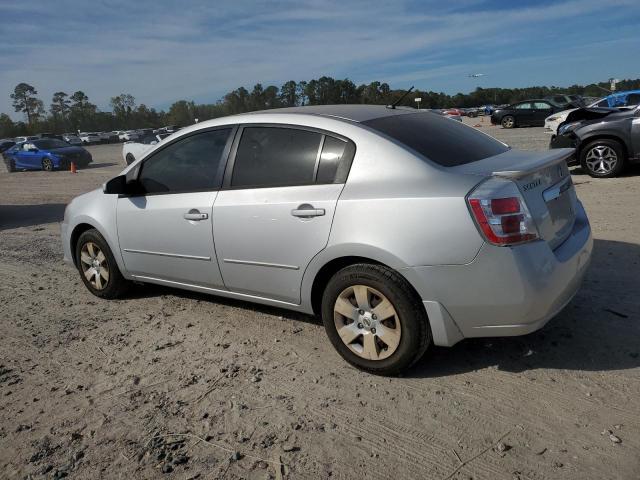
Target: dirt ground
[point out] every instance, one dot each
(184, 386)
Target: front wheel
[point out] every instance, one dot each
(374, 319)
(47, 165)
(602, 158)
(508, 121)
(97, 266)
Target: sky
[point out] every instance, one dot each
(163, 51)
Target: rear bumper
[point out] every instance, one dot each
(506, 291)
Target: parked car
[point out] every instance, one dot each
(108, 137)
(45, 154)
(89, 138)
(445, 113)
(605, 139)
(528, 113)
(24, 139)
(567, 101)
(129, 136)
(351, 212)
(625, 99)
(71, 139)
(6, 144)
(132, 151)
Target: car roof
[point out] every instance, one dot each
(355, 113)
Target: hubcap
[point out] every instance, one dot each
(508, 122)
(94, 265)
(367, 322)
(601, 159)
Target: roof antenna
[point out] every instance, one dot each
(397, 102)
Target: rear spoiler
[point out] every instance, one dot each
(536, 163)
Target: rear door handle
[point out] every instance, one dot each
(307, 211)
(195, 215)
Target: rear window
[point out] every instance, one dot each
(441, 140)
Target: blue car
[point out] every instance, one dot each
(45, 154)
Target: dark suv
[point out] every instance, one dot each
(605, 139)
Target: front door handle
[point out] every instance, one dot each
(195, 215)
(307, 211)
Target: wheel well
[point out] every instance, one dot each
(327, 271)
(589, 140)
(75, 235)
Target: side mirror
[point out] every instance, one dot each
(116, 186)
(126, 184)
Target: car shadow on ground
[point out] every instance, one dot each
(597, 331)
(99, 165)
(16, 216)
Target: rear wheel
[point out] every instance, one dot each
(47, 164)
(602, 158)
(374, 319)
(508, 121)
(130, 159)
(97, 266)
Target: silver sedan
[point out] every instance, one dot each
(400, 228)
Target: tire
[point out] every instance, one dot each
(130, 159)
(602, 158)
(11, 165)
(407, 329)
(87, 251)
(508, 121)
(47, 164)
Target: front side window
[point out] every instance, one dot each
(523, 106)
(541, 106)
(274, 156)
(193, 163)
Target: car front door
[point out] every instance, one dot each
(28, 156)
(165, 232)
(541, 110)
(524, 113)
(275, 212)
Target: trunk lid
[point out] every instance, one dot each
(544, 182)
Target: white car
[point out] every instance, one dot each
(89, 137)
(132, 151)
(129, 136)
(552, 122)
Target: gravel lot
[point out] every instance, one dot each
(180, 385)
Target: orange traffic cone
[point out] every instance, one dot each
(73, 168)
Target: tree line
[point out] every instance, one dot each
(72, 112)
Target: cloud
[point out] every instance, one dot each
(201, 49)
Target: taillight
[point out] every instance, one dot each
(501, 213)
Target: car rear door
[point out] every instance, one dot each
(275, 211)
(165, 232)
(541, 110)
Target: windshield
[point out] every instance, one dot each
(50, 144)
(441, 140)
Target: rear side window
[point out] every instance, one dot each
(441, 140)
(335, 160)
(193, 163)
(273, 156)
